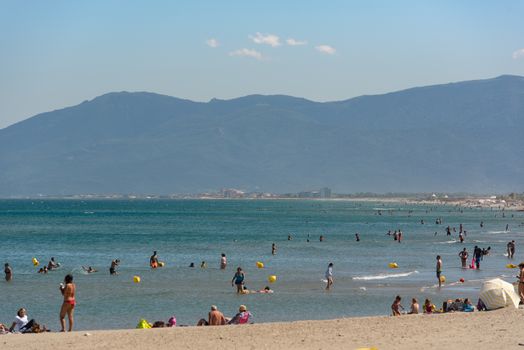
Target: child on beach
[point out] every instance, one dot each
(414, 307)
(428, 307)
(396, 306)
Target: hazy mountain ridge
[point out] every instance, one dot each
(463, 136)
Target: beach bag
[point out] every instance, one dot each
(143, 324)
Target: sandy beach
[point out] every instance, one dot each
(479, 330)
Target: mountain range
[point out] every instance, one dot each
(458, 137)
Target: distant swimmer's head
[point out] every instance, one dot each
(68, 278)
(214, 308)
(154, 253)
(223, 255)
(438, 257)
(267, 288)
(239, 269)
(521, 265)
(330, 265)
(6, 264)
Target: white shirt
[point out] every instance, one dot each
(329, 272)
(20, 322)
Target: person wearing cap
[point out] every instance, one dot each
(215, 318)
(242, 317)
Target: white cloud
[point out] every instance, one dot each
(212, 42)
(267, 39)
(246, 53)
(518, 54)
(329, 50)
(294, 42)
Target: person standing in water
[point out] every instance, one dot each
(511, 249)
(238, 280)
(8, 272)
(223, 262)
(153, 260)
(68, 290)
(357, 237)
(464, 258)
(439, 270)
(112, 268)
(477, 255)
(329, 276)
(273, 249)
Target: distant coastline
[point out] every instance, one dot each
(506, 201)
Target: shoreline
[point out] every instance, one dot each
(479, 330)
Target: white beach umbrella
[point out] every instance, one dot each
(497, 293)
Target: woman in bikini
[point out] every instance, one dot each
(68, 306)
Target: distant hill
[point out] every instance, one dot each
(466, 137)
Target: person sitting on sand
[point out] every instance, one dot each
(242, 317)
(414, 307)
(52, 264)
(396, 306)
(89, 269)
(21, 324)
(215, 318)
(428, 307)
(3, 329)
(8, 272)
(467, 307)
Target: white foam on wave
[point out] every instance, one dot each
(497, 232)
(447, 242)
(383, 276)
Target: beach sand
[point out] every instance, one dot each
(501, 329)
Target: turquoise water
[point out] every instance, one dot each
(94, 232)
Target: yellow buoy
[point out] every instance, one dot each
(36, 262)
(136, 279)
(511, 266)
(443, 279)
(260, 264)
(272, 279)
(393, 265)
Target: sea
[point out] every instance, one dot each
(93, 232)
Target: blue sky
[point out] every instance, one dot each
(58, 53)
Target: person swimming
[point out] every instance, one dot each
(8, 272)
(52, 264)
(223, 262)
(89, 269)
